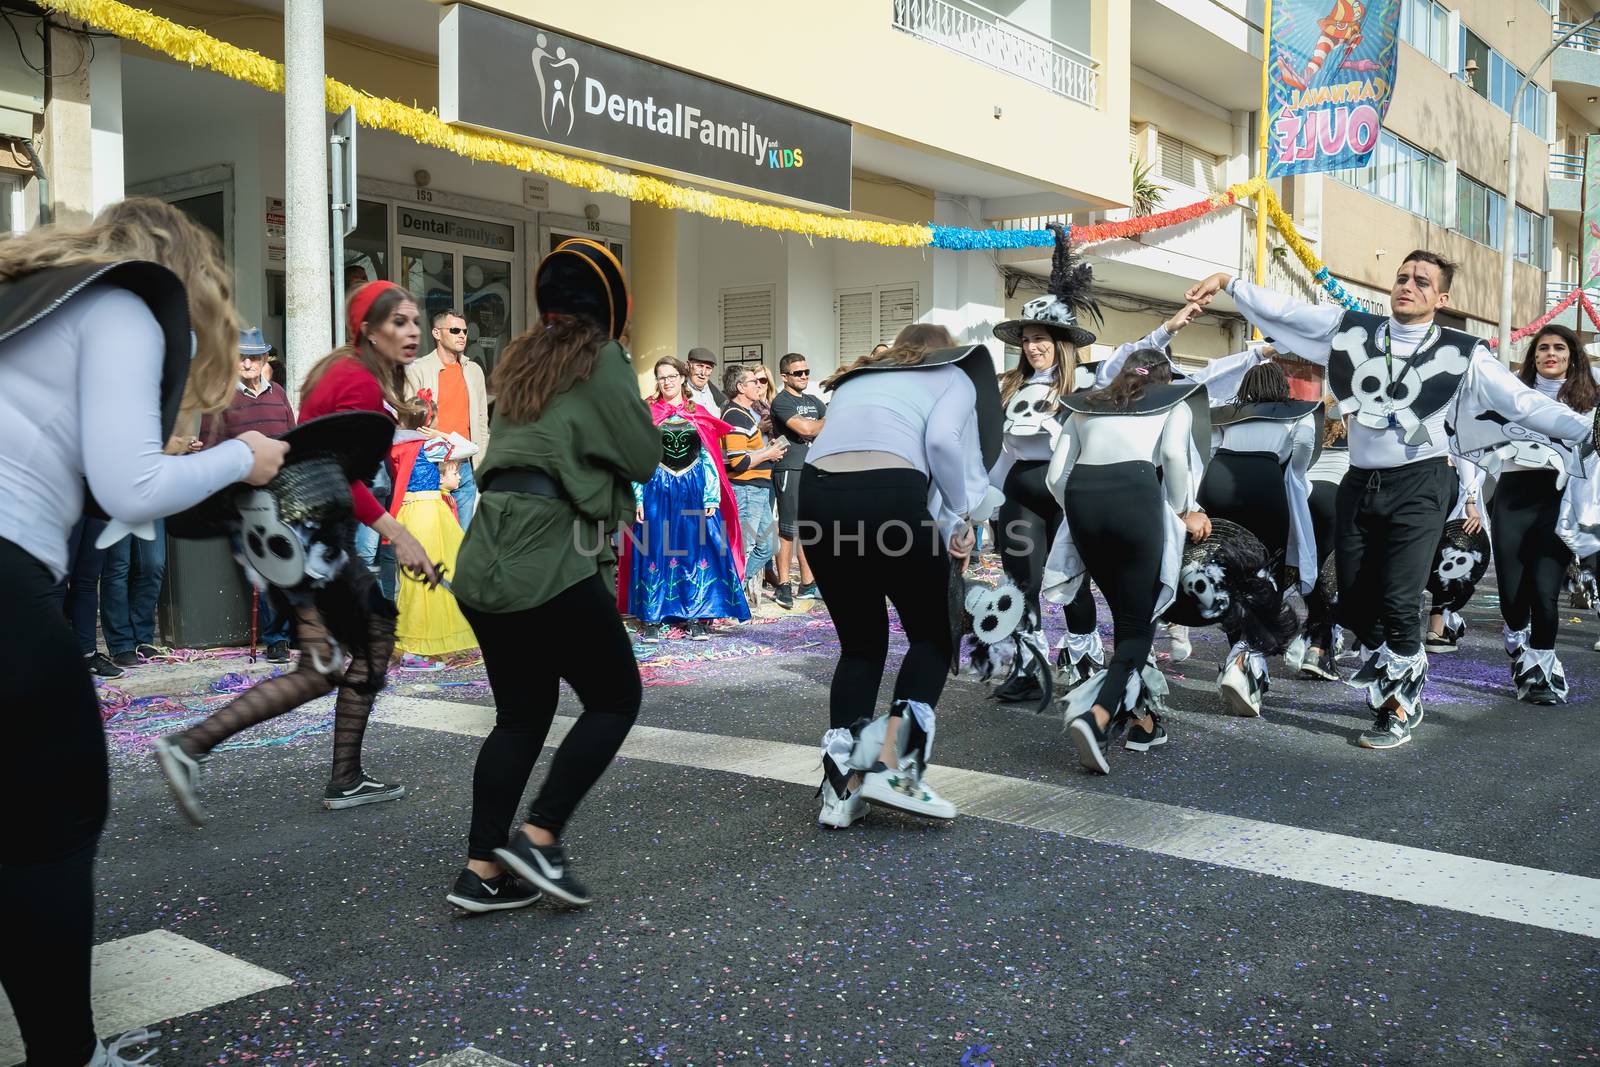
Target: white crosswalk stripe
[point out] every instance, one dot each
(148, 978)
(470, 1057)
(1548, 899)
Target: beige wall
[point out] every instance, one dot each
(1191, 125)
(1356, 226)
(845, 58)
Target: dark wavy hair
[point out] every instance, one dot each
(1579, 392)
(1142, 369)
(1265, 383)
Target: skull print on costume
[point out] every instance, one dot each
(1382, 389)
(1458, 566)
(1031, 409)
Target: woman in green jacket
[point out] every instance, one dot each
(570, 436)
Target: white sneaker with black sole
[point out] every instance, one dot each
(183, 777)
(365, 790)
(544, 867)
(500, 893)
(1239, 690)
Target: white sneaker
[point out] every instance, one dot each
(1181, 648)
(839, 812)
(903, 790)
(111, 1055)
(1243, 696)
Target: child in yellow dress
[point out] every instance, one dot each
(428, 465)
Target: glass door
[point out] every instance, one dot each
(478, 286)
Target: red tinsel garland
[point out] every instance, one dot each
(1577, 295)
(1110, 231)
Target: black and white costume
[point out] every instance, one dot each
(1448, 595)
(1542, 519)
(1321, 629)
(899, 469)
(1257, 479)
(1124, 477)
(1403, 389)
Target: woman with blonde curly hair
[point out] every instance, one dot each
(95, 365)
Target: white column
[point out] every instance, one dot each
(309, 328)
(105, 123)
(968, 296)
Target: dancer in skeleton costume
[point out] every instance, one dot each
(1125, 471)
(1257, 478)
(894, 485)
(1318, 646)
(1051, 335)
(1541, 519)
(334, 614)
(1446, 627)
(1397, 381)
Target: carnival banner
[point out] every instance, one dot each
(1330, 76)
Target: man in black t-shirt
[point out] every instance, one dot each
(797, 417)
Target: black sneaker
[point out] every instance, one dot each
(500, 893)
(1091, 743)
(1319, 665)
(650, 633)
(1020, 690)
(364, 790)
(148, 651)
(807, 592)
(126, 659)
(183, 776)
(783, 598)
(699, 630)
(278, 652)
(100, 666)
(1141, 740)
(1439, 642)
(543, 866)
(1388, 731)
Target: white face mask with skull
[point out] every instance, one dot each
(277, 552)
(1202, 582)
(1031, 411)
(1456, 565)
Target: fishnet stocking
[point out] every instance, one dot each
(357, 691)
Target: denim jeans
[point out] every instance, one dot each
(466, 497)
(79, 593)
(378, 557)
(754, 500)
(130, 585)
(271, 627)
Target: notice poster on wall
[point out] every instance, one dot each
(1590, 235)
(275, 221)
(1330, 77)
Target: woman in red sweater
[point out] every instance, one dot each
(348, 615)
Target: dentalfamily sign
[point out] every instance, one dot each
(531, 82)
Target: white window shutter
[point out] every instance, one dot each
(747, 324)
(857, 331)
(897, 309)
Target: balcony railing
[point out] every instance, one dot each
(1564, 167)
(980, 34)
(1587, 41)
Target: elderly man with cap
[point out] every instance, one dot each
(258, 404)
(701, 391)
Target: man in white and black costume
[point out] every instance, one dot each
(1404, 384)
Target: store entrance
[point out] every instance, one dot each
(468, 264)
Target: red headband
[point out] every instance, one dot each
(361, 303)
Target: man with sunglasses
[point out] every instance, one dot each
(258, 404)
(797, 418)
(458, 388)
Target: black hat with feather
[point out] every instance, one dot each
(1067, 300)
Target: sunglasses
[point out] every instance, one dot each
(797, 374)
(454, 329)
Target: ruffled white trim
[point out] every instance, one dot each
(839, 743)
(925, 717)
(1387, 676)
(1255, 664)
(1080, 647)
(1533, 666)
(1295, 655)
(1515, 640)
(1455, 627)
(1146, 691)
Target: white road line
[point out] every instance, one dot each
(149, 978)
(470, 1057)
(1527, 895)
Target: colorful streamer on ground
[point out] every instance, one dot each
(200, 49)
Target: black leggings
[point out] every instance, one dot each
(1029, 519)
(1530, 561)
(868, 535)
(577, 637)
(54, 778)
(1115, 514)
(1319, 610)
(1247, 488)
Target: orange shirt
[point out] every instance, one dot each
(455, 408)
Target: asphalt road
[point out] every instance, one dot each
(728, 929)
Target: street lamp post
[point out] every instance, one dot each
(1508, 251)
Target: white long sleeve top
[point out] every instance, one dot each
(1292, 442)
(1307, 330)
(80, 398)
(1162, 438)
(926, 417)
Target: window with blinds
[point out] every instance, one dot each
(747, 324)
(871, 316)
(1183, 164)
